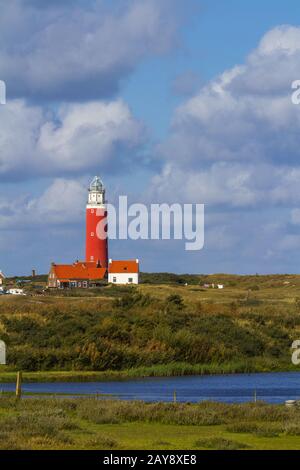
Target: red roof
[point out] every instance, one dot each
(79, 270)
(117, 267)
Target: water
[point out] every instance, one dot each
(269, 387)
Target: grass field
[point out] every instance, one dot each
(100, 424)
(159, 328)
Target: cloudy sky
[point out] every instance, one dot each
(168, 101)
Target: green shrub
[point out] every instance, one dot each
(258, 429)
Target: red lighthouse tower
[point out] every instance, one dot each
(96, 224)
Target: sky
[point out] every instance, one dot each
(168, 101)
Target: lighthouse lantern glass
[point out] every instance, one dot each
(96, 184)
(96, 192)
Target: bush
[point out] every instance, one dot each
(175, 300)
(127, 329)
(219, 443)
(258, 429)
(102, 442)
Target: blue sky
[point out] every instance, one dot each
(219, 37)
(172, 101)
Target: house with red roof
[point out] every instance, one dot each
(123, 272)
(81, 274)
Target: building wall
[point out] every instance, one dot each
(52, 281)
(123, 278)
(69, 284)
(96, 248)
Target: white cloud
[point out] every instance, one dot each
(77, 138)
(295, 216)
(236, 144)
(19, 131)
(220, 184)
(233, 146)
(246, 113)
(80, 50)
(229, 184)
(61, 203)
(89, 134)
(284, 38)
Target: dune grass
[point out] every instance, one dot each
(42, 424)
(152, 330)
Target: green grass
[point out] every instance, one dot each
(160, 328)
(167, 370)
(97, 424)
(155, 329)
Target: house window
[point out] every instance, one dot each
(84, 284)
(114, 279)
(73, 284)
(130, 280)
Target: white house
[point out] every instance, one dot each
(123, 272)
(2, 277)
(16, 292)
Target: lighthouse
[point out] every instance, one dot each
(96, 269)
(96, 224)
